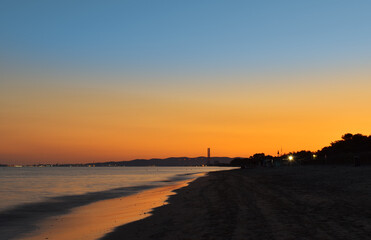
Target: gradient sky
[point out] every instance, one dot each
(85, 81)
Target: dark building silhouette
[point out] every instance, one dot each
(208, 154)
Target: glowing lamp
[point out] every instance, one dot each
(291, 158)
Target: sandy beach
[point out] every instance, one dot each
(285, 203)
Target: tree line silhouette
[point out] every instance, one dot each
(351, 149)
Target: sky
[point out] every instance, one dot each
(89, 81)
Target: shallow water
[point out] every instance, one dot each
(32, 184)
(31, 195)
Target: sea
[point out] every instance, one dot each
(29, 194)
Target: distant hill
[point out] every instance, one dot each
(172, 161)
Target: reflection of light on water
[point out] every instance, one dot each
(30, 184)
(95, 220)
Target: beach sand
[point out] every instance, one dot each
(285, 203)
(94, 220)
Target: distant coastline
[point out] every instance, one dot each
(350, 149)
(165, 162)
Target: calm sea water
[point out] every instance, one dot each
(31, 184)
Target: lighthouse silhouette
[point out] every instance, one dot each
(208, 154)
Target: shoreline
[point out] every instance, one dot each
(94, 220)
(306, 202)
(50, 219)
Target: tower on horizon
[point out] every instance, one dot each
(208, 154)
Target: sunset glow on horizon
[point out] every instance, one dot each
(164, 85)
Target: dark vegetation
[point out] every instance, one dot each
(351, 149)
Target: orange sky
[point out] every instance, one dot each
(70, 121)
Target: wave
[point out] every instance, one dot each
(22, 219)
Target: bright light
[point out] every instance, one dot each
(314, 155)
(291, 158)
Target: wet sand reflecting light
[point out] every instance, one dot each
(95, 220)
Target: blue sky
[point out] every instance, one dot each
(99, 80)
(184, 36)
